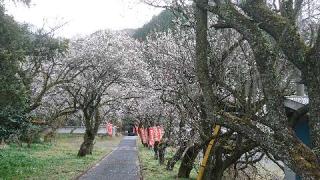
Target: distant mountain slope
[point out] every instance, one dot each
(129, 32)
(160, 23)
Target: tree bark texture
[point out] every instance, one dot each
(87, 145)
(177, 156)
(188, 161)
(156, 150)
(162, 150)
(92, 123)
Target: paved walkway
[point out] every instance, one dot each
(121, 164)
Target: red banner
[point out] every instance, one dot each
(156, 137)
(109, 129)
(151, 136)
(143, 135)
(146, 135)
(139, 132)
(159, 132)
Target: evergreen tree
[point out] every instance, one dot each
(159, 23)
(12, 92)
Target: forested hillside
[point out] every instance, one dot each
(159, 23)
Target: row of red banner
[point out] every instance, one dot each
(150, 135)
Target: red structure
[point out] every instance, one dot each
(150, 135)
(109, 129)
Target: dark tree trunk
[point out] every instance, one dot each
(313, 84)
(87, 145)
(164, 142)
(92, 123)
(187, 161)
(162, 149)
(314, 119)
(156, 150)
(217, 167)
(177, 156)
(217, 173)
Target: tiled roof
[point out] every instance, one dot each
(299, 99)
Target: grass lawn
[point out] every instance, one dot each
(52, 161)
(150, 168)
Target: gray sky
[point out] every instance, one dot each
(83, 16)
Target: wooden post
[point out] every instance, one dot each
(216, 131)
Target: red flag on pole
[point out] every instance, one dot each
(151, 136)
(156, 137)
(109, 129)
(143, 135)
(159, 132)
(146, 135)
(140, 132)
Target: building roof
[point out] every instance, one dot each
(296, 102)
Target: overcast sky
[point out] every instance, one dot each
(83, 16)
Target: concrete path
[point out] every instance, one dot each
(121, 164)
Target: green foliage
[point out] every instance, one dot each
(12, 92)
(160, 23)
(43, 47)
(127, 123)
(16, 43)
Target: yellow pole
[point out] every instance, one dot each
(216, 131)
